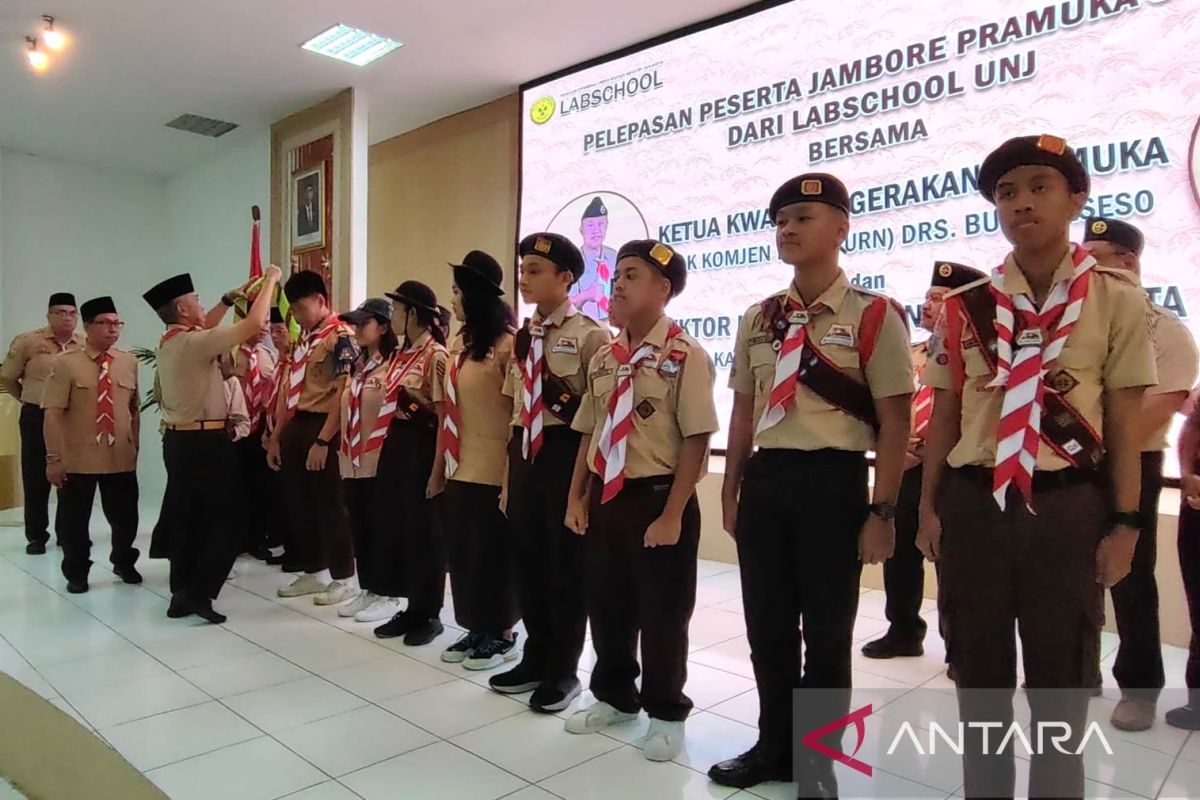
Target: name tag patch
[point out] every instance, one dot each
(842, 335)
(565, 345)
(669, 368)
(624, 371)
(1030, 337)
(536, 330)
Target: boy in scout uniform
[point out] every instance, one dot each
(645, 419)
(23, 375)
(91, 406)
(254, 366)
(197, 451)
(303, 445)
(821, 374)
(1139, 665)
(904, 572)
(1039, 380)
(547, 380)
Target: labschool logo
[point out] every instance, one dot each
(542, 110)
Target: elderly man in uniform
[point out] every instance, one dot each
(92, 407)
(599, 262)
(1139, 665)
(1038, 382)
(24, 375)
(199, 455)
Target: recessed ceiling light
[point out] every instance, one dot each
(352, 45)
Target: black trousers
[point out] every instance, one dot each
(406, 546)
(904, 572)
(634, 589)
(203, 545)
(549, 558)
(254, 483)
(1189, 567)
(800, 514)
(479, 547)
(33, 474)
(1139, 665)
(1037, 572)
(118, 499)
(316, 508)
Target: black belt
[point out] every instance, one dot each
(1042, 480)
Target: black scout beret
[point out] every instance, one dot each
(596, 208)
(812, 187)
(97, 306)
(1027, 151)
(666, 260)
(954, 276)
(1102, 229)
(554, 248)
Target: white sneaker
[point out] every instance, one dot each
(362, 601)
(596, 717)
(305, 584)
(664, 741)
(338, 592)
(379, 609)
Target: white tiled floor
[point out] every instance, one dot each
(288, 700)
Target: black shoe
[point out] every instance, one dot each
(889, 646)
(128, 574)
(35, 549)
(817, 780)
(206, 612)
(1185, 717)
(550, 698)
(274, 561)
(423, 632)
(77, 587)
(492, 652)
(398, 625)
(261, 553)
(518, 680)
(755, 766)
(289, 566)
(180, 606)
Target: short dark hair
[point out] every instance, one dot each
(305, 283)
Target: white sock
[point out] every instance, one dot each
(275, 551)
(323, 577)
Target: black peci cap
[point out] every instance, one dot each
(371, 307)
(61, 299)
(953, 276)
(1027, 151)
(813, 187)
(415, 294)
(305, 283)
(557, 249)
(596, 208)
(169, 290)
(481, 270)
(276, 316)
(97, 306)
(1103, 229)
(663, 258)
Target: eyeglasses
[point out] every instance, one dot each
(63, 312)
(108, 323)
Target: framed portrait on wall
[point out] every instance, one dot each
(308, 209)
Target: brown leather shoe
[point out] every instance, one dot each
(1132, 714)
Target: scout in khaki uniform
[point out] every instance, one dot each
(473, 447)
(254, 366)
(23, 375)
(303, 446)
(408, 540)
(1139, 665)
(904, 572)
(646, 419)
(199, 456)
(547, 380)
(278, 537)
(91, 431)
(821, 374)
(1038, 382)
(1187, 716)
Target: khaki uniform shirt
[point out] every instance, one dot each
(486, 413)
(374, 392)
(267, 362)
(189, 378)
(325, 376)
(426, 381)
(812, 423)
(669, 405)
(1176, 361)
(1109, 348)
(30, 361)
(570, 343)
(73, 387)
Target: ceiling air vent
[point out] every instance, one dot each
(205, 126)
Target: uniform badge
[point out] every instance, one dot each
(812, 186)
(537, 330)
(780, 324)
(1030, 337)
(645, 409)
(669, 368)
(624, 371)
(1099, 226)
(943, 359)
(839, 335)
(661, 253)
(1062, 381)
(1073, 447)
(798, 318)
(1052, 144)
(970, 344)
(542, 245)
(945, 270)
(650, 362)
(566, 345)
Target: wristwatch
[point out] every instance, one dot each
(227, 300)
(885, 511)
(1129, 519)
(322, 443)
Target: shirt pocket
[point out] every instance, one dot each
(653, 404)
(602, 388)
(762, 365)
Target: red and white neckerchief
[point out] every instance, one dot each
(609, 460)
(273, 389)
(106, 421)
(300, 361)
(352, 444)
(255, 387)
(1022, 376)
(399, 366)
(531, 393)
(174, 331)
(452, 424)
(787, 363)
(922, 406)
